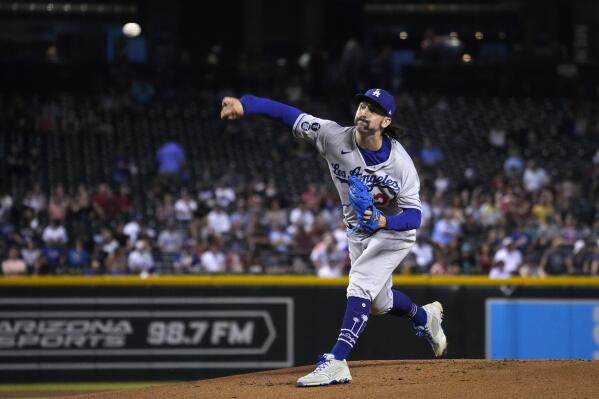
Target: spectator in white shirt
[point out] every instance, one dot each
(498, 271)
(213, 260)
(141, 260)
(132, 230)
(510, 256)
(55, 234)
(185, 207)
(327, 259)
(425, 256)
(224, 196)
(302, 215)
(219, 221)
(534, 177)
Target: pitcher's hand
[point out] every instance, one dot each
(232, 109)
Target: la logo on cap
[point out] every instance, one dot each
(376, 93)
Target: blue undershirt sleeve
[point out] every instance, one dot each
(409, 219)
(284, 113)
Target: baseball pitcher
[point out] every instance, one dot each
(379, 188)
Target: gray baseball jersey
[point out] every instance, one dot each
(393, 185)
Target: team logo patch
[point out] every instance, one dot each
(315, 126)
(306, 126)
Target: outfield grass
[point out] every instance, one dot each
(47, 390)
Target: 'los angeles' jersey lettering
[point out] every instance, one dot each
(393, 184)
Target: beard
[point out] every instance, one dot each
(364, 126)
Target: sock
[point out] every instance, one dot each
(404, 307)
(354, 322)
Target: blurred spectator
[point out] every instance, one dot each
(166, 210)
(554, 260)
(311, 197)
(55, 233)
(489, 212)
(213, 259)
(497, 137)
(509, 255)
(122, 167)
(424, 254)
(6, 205)
(430, 155)
(31, 255)
(103, 201)
(443, 265)
(327, 259)
(302, 215)
(543, 209)
(106, 246)
(117, 263)
(170, 240)
(499, 271)
(442, 183)
(57, 206)
(35, 199)
(187, 261)
(219, 222)
(185, 207)
(280, 240)
(485, 257)
(140, 259)
(171, 160)
(467, 259)
(122, 201)
(275, 214)
(52, 260)
(78, 258)
(534, 177)
(447, 229)
(132, 230)
(14, 265)
(224, 196)
(531, 269)
(514, 163)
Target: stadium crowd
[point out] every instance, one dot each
(524, 215)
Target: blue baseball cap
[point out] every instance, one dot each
(381, 97)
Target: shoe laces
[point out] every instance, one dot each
(422, 331)
(322, 364)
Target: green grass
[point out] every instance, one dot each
(77, 386)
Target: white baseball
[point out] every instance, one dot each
(131, 29)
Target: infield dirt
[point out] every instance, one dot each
(459, 379)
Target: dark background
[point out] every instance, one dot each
(523, 41)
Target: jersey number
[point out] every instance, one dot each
(380, 199)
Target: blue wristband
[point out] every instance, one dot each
(409, 219)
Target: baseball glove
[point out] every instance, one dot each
(361, 202)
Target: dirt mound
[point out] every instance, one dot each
(459, 379)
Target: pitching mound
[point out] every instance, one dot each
(448, 379)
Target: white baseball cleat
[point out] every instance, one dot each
(432, 331)
(328, 371)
